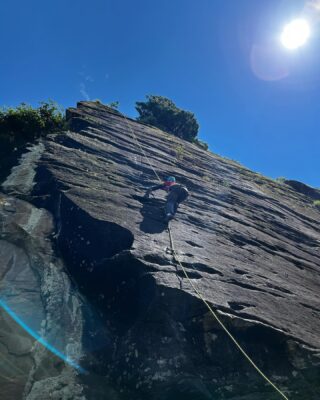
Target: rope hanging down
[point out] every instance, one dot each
(134, 137)
(176, 259)
(213, 313)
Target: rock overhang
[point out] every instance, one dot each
(237, 220)
(250, 245)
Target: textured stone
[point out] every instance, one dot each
(304, 189)
(249, 244)
(36, 301)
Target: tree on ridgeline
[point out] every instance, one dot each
(25, 124)
(161, 112)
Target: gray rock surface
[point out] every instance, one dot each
(304, 189)
(36, 301)
(249, 244)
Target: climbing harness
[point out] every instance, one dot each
(196, 290)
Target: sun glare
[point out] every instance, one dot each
(295, 34)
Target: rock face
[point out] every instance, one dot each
(36, 301)
(250, 245)
(304, 189)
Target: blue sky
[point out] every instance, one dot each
(256, 102)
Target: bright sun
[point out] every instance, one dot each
(295, 34)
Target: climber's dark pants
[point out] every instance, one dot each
(171, 207)
(175, 197)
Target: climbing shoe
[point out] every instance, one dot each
(168, 217)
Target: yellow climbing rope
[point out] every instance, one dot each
(176, 259)
(213, 313)
(134, 137)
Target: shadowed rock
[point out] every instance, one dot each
(304, 189)
(251, 246)
(40, 314)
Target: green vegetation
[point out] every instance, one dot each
(114, 105)
(24, 124)
(162, 113)
(179, 150)
(316, 203)
(281, 179)
(201, 144)
(165, 115)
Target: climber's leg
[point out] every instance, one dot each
(170, 209)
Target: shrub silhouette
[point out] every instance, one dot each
(161, 112)
(22, 125)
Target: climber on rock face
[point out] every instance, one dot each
(176, 194)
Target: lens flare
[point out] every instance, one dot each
(295, 34)
(37, 337)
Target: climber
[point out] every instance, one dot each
(176, 194)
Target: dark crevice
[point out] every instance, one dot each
(202, 268)
(235, 219)
(156, 259)
(317, 310)
(246, 286)
(240, 271)
(197, 221)
(241, 240)
(193, 244)
(191, 275)
(253, 288)
(239, 306)
(248, 192)
(281, 289)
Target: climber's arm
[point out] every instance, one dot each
(152, 188)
